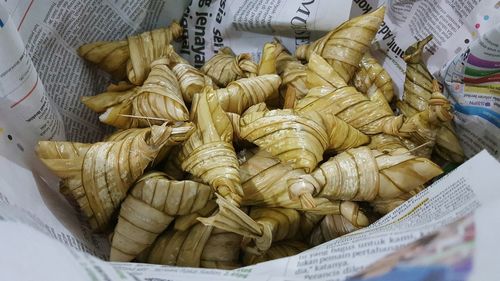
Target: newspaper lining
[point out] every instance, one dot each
(40, 100)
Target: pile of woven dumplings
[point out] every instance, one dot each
(241, 162)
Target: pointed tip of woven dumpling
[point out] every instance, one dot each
(321, 73)
(176, 29)
(380, 11)
(413, 54)
(160, 135)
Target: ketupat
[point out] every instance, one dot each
(267, 129)
(418, 80)
(421, 129)
(291, 71)
(267, 65)
(330, 227)
(292, 137)
(184, 222)
(332, 95)
(199, 246)
(136, 53)
(360, 174)
(320, 73)
(384, 206)
(226, 67)
(339, 47)
(372, 77)
(209, 153)
(239, 95)
(265, 183)
(191, 80)
(447, 144)
(158, 100)
(150, 207)
(182, 132)
(418, 90)
(97, 176)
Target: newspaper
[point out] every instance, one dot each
(42, 79)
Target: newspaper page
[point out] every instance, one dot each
(41, 81)
(246, 25)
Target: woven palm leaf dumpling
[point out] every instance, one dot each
(239, 161)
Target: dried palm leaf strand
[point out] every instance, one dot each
(182, 131)
(384, 206)
(112, 56)
(291, 71)
(146, 48)
(100, 179)
(222, 250)
(119, 87)
(447, 144)
(294, 138)
(341, 135)
(320, 73)
(371, 76)
(235, 122)
(278, 250)
(386, 143)
(198, 246)
(209, 153)
(344, 46)
(151, 206)
(331, 227)
(225, 67)
(191, 80)
(270, 224)
(184, 222)
(259, 107)
(267, 64)
(245, 92)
